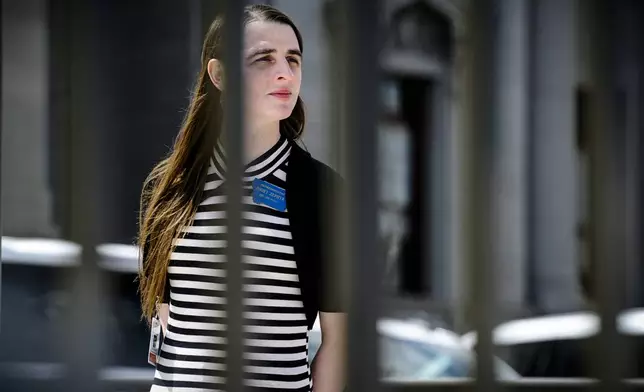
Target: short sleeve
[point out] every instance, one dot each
(332, 280)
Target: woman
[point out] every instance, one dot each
(182, 228)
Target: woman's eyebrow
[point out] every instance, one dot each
(296, 52)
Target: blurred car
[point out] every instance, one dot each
(553, 346)
(36, 298)
(410, 350)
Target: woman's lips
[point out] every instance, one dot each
(281, 94)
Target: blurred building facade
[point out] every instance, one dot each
(145, 58)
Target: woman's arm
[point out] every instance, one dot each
(329, 363)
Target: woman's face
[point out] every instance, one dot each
(273, 71)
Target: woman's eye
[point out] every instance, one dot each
(268, 59)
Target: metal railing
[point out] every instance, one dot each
(359, 261)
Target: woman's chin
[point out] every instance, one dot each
(280, 113)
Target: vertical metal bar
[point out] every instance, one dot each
(479, 141)
(637, 121)
(511, 161)
(436, 218)
(630, 82)
(81, 342)
(633, 196)
(607, 219)
(531, 295)
(234, 140)
(1, 132)
(337, 97)
(361, 58)
(197, 31)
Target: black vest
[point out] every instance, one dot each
(306, 181)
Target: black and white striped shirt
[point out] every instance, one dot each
(192, 356)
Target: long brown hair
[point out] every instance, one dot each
(173, 189)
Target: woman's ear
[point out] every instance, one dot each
(216, 73)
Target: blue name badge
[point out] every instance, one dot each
(269, 195)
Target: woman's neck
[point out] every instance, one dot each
(258, 139)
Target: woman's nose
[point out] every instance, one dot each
(284, 70)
